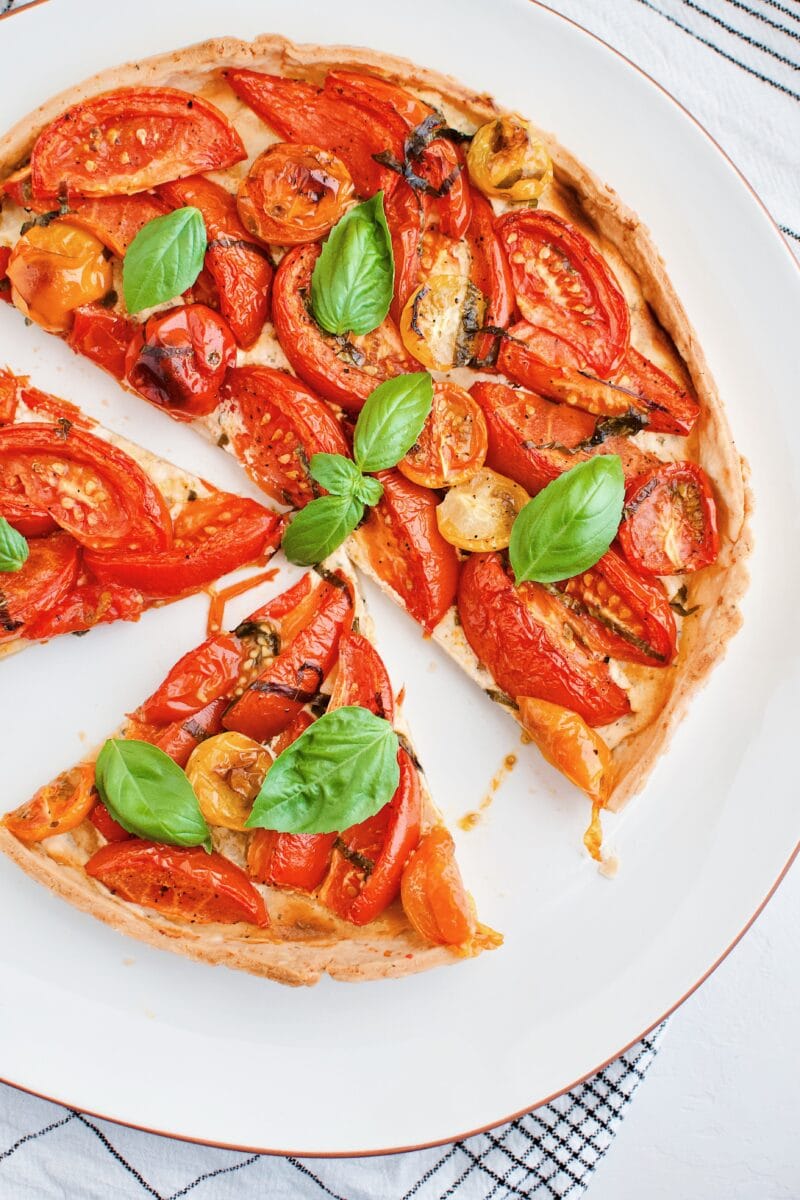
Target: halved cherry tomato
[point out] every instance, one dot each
(453, 442)
(480, 514)
(241, 269)
(90, 488)
(407, 551)
(55, 268)
(491, 275)
(56, 808)
(178, 360)
(283, 424)
(103, 336)
(185, 885)
(368, 859)
(508, 159)
(670, 520)
(212, 536)
(87, 605)
(344, 370)
(105, 824)
(294, 194)
(204, 674)
(441, 320)
(226, 772)
(116, 220)
(179, 738)
(569, 745)
(300, 112)
(623, 614)
(45, 578)
(5, 282)
(434, 897)
(362, 678)
(295, 676)
(129, 140)
(522, 636)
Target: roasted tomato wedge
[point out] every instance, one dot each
(300, 112)
(116, 220)
(566, 291)
(295, 676)
(404, 217)
(670, 520)
(202, 675)
(521, 635)
(87, 605)
(130, 140)
(491, 275)
(212, 536)
(283, 424)
(407, 551)
(623, 614)
(185, 885)
(45, 578)
(569, 745)
(362, 678)
(480, 514)
(90, 488)
(294, 194)
(508, 159)
(103, 336)
(240, 268)
(105, 824)
(179, 738)
(368, 859)
(55, 268)
(226, 772)
(178, 360)
(441, 320)
(670, 407)
(453, 442)
(345, 370)
(434, 897)
(56, 808)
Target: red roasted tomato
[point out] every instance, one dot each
(116, 220)
(178, 360)
(670, 520)
(179, 738)
(103, 336)
(204, 674)
(105, 824)
(85, 606)
(362, 678)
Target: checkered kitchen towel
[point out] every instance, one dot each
(736, 66)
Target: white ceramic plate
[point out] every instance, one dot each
(145, 1037)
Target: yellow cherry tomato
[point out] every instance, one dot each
(226, 772)
(570, 745)
(507, 159)
(441, 320)
(55, 268)
(478, 515)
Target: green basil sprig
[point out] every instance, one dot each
(14, 549)
(340, 771)
(570, 524)
(387, 427)
(164, 258)
(149, 795)
(353, 278)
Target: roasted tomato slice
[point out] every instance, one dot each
(45, 578)
(240, 268)
(407, 551)
(362, 678)
(569, 745)
(90, 488)
(178, 360)
(212, 536)
(56, 808)
(87, 605)
(281, 425)
(295, 676)
(130, 140)
(294, 194)
(116, 220)
(670, 520)
(185, 885)
(453, 442)
(204, 674)
(491, 275)
(300, 112)
(105, 824)
(55, 268)
(179, 738)
(368, 859)
(670, 407)
(521, 635)
(566, 291)
(103, 336)
(344, 370)
(434, 897)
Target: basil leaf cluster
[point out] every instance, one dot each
(387, 427)
(164, 258)
(149, 795)
(340, 771)
(353, 278)
(570, 524)
(14, 550)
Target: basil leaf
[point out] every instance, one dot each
(570, 524)
(14, 549)
(164, 258)
(149, 794)
(391, 420)
(368, 490)
(342, 770)
(338, 475)
(320, 527)
(353, 278)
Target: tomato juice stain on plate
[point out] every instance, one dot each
(471, 819)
